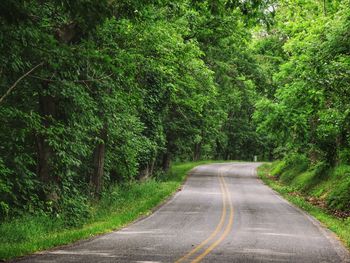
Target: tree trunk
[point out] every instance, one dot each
(147, 170)
(48, 111)
(166, 161)
(96, 179)
(144, 172)
(218, 150)
(313, 154)
(44, 158)
(197, 151)
(341, 140)
(152, 166)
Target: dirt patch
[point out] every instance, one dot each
(273, 178)
(323, 205)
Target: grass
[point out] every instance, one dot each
(120, 207)
(305, 185)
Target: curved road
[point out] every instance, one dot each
(224, 213)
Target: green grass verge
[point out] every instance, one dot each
(120, 207)
(341, 227)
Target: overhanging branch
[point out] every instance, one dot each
(18, 80)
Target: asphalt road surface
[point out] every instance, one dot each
(223, 214)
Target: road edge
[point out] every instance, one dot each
(341, 249)
(164, 202)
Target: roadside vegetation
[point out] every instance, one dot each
(101, 93)
(119, 206)
(322, 193)
(305, 112)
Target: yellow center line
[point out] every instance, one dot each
(226, 232)
(218, 227)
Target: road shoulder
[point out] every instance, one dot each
(335, 229)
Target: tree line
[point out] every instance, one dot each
(305, 110)
(96, 93)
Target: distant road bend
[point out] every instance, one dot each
(224, 213)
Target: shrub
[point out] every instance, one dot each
(75, 210)
(339, 197)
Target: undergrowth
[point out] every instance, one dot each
(119, 206)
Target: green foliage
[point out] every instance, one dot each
(306, 108)
(319, 180)
(339, 196)
(118, 206)
(102, 93)
(74, 208)
(344, 156)
(118, 90)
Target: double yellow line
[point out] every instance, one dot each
(226, 203)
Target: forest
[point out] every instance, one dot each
(101, 93)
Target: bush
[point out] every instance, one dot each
(297, 160)
(290, 167)
(340, 197)
(4, 209)
(344, 156)
(278, 168)
(75, 210)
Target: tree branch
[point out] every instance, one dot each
(18, 80)
(74, 81)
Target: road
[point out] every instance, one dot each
(224, 213)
